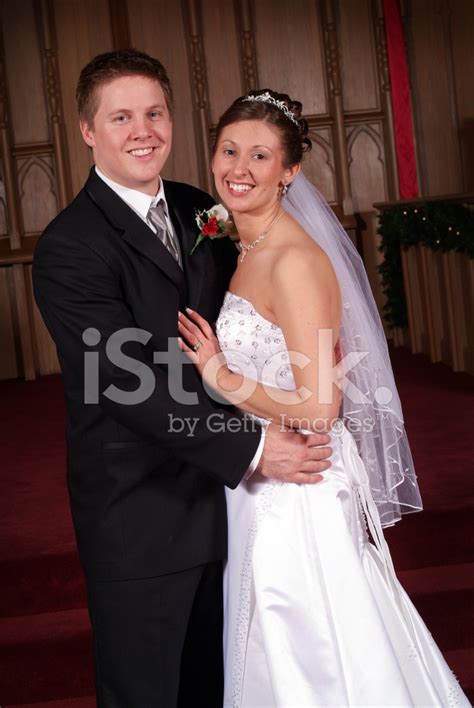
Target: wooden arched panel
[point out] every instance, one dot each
(366, 166)
(319, 166)
(37, 193)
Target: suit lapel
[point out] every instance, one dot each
(142, 239)
(187, 231)
(132, 228)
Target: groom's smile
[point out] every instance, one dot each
(142, 152)
(131, 133)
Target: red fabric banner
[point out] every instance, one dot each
(401, 102)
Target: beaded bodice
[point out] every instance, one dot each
(252, 345)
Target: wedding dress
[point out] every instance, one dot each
(314, 613)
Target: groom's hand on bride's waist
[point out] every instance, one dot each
(291, 457)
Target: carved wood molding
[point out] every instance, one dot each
(385, 97)
(28, 149)
(372, 134)
(47, 37)
(248, 54)
(381, 45)
(325, 146)
(458, 198)
(331, 52)
(323, 120)
(200, 93)
(28, 163)
(333, 72)
(19, 255)
(4, 111)
(446, 12)
(24, 321)
(12, 197)
(420, 148)
(363, 116)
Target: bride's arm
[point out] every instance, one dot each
(306, 303)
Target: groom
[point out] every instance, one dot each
(146, 472)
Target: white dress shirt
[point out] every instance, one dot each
(141, 203)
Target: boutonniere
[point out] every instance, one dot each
(213, 223)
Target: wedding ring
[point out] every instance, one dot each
(197, 346)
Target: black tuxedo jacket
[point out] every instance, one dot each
(145, 500)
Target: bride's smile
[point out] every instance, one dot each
(239, 188)
(249, 170)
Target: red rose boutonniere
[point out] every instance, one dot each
(213, 223)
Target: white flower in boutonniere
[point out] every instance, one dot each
(213, 223)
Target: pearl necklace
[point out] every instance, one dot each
(245, 248)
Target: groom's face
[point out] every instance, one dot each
(132, 131)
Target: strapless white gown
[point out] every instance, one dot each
(314, 614)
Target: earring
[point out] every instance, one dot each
(284, 190)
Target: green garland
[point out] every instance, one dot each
(441, 226)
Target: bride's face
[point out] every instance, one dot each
(248, 166)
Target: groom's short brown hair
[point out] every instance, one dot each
(113, 65)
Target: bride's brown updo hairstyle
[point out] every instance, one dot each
(293, 131)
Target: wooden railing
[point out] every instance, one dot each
(439, 291)
(26, 348)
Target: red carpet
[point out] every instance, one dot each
(45, 653)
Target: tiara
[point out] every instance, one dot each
(268, 98)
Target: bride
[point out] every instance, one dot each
(314, 613)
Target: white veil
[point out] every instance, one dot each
(371, 406)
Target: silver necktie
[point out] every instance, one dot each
(156, 217)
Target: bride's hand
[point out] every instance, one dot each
(200, 343)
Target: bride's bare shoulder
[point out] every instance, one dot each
(297, 255)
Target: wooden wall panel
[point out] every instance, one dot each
(37, 192)
(466, 285)
(3, 209)
(22, 305)
(83, 29)
(24, 79)
(8, 362)
(434, 97)
(289, 51)
(46, 359)
(438, 306)
(221, 40)
(439, 295)
(330, 54)
(462, 33)
(358, 62)
(372, 256)
(366, 165)
(158, 28)
(318, 165)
